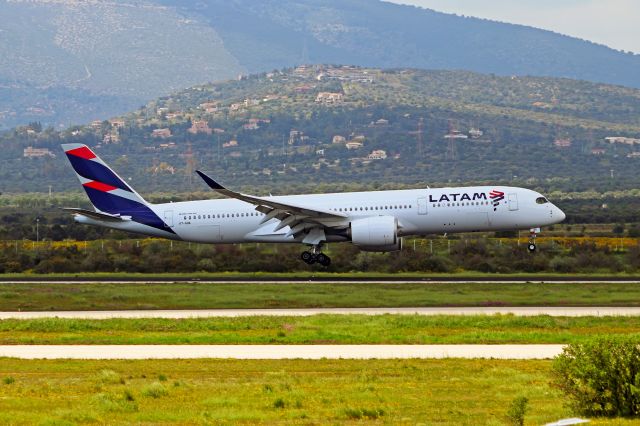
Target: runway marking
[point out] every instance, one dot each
(310, 352)
(233, 313)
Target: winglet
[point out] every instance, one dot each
(212, 183)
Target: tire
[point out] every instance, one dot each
(531, 247)
(308, 258)
(324, 260)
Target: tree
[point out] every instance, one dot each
(601, 377)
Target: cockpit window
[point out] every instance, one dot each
(541, 200)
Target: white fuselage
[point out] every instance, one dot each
(418, 212)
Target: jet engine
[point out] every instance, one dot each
(379, 233)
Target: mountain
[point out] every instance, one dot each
(109, 56)
(328, 128)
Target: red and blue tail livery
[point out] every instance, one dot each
(107, 191)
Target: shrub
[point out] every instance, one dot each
(363, 413)
(601, 377)
(110, 377)
(517, 410)
(8, 380)
(279, 403)
(155, 390)
(114, 403)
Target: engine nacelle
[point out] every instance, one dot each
(378, 233)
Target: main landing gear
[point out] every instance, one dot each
(532, 239)
(315, 256)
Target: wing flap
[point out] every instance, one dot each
(96, 215)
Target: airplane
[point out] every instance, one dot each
(373, 220)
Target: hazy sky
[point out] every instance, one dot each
(615, 23)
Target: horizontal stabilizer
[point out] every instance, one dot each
(96, 215)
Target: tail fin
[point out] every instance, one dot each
(107, 191)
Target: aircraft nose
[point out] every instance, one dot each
(560, 214)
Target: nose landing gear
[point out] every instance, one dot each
(315, 256)
(532, 239)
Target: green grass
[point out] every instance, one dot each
(312, 274)
(318, 329)
(105, 296)
(446, 392)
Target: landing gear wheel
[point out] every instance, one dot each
(308, 258)
(324, 260)
(531, 247)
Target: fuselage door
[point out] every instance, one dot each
(513, 202)
(168, 218)
(422, 205)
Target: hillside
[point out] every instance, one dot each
(69, 62)
(131, 51)
(332, 128)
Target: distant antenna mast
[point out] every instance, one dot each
(420, 137)
(191, 163)
(451, 141)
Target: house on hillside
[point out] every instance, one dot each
(622, 140)
(200, 126)
(209, 107)
(475, 133)
(338, 139)
(112, 137)
(329, 98)
(354, 145)
(161, 133)
(378, 154)
(117, 123)
(456, 134)
(382, 122)
(562, 143)
(31, 152)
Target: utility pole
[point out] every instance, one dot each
(451, 143)
(420, 137)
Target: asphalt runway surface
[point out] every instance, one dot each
(230, 313)
(310, 352)
(324, 281)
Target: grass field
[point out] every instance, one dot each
(105, 296)
(318, 329)
(312, 274)
(449, 392)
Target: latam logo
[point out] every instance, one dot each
(496, 196)
(457, 197)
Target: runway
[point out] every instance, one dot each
(231, 313)
(330, 281)
(310, 352)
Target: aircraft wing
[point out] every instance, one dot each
(299, 218)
